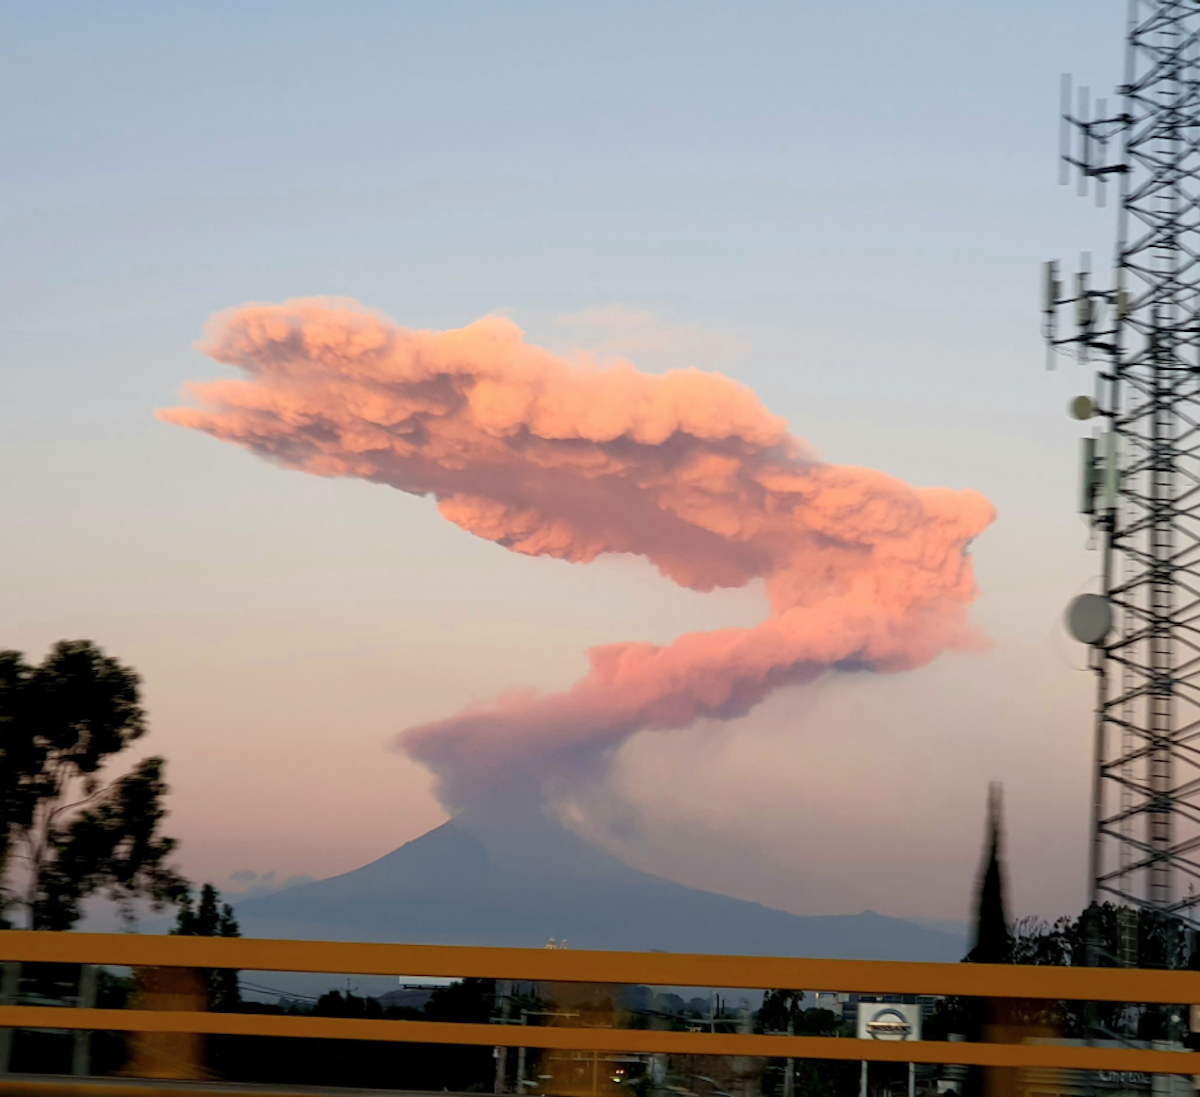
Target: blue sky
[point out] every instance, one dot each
(843, 205)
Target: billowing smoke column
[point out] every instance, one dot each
(550, 457)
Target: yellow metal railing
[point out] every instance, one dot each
(653, 969)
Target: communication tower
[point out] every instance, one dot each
(1141, 465)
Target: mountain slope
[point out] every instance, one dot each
(512, 876)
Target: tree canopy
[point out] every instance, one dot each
(67, 831)
(209, 917)
(781, 1011)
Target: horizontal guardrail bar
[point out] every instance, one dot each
(607, 1039)
(650, 968)
(55, 1085)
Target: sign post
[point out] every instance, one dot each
(888, 1021)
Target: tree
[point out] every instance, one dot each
(211, 918)
(65, 832)
(781, 1011)
(993, 944)
(993, 941)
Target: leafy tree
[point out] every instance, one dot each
(1092, 936)
(1036, 941)
(469, 999)
(65, 832)
(335, 1003)
(818, 1022)
(781, 1011)
(211, 918)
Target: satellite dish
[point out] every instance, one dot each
(1082, 407)
(1090, 618)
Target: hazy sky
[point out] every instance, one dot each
(842, 205)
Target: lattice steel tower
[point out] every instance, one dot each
(1141, 469)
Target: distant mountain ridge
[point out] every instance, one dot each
(511, 876)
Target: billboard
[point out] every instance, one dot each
(889, 1021)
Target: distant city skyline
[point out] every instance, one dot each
(842, 207)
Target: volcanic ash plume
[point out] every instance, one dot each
(550, 457)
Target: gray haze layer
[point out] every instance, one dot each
(509, 875)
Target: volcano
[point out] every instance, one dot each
(513, 876)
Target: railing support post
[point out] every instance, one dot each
(504, 994)
(521, 1057)
(169, 1054)
(10, 978)
(81, 1050)
(789, 1069)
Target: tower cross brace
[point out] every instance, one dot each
(1141, 475)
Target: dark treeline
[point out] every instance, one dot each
(1103, 935)
(365, 1064)
(374, 1064)
(1097, 935)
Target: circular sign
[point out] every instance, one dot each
(1090, 618)
(888, 1024)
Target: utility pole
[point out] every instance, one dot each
(504, 998)
(789, 1072)
(10, 984)
(521, 1057)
